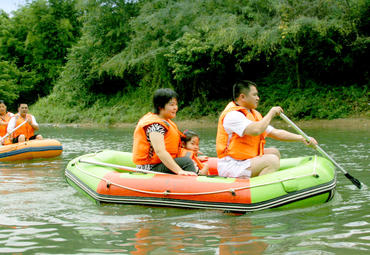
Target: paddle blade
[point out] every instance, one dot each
(356, 182)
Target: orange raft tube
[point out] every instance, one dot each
(33, 149)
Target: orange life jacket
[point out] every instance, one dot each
(26, 129)
(189, 153)
(141, 147)
(3, 128)
(239, 148)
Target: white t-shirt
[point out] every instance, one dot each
(237, 122)
(12, 122)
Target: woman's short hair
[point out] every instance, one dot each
(161, 97)
(243, 86)
(2, 102)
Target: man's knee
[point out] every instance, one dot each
(21, 138)
(273, 151)
(274, 161)
(267, 163)
(272, 164)
(271, 161)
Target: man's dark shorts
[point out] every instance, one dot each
(15, 140)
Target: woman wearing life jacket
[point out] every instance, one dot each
(190, 144)
(241, 134)
(26, 131)
(4, 120)
(157, 140)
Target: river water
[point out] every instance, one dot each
(41, 214)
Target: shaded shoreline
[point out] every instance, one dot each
(357, 123)
(360, 123)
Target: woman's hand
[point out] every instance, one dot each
(182, 172)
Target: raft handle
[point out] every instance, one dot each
(232, 192)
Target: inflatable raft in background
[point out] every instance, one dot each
(46, 148)
(300, 181)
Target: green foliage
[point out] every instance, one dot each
(8, 83)
(316, 101)
(36, 40)
(308, 56)
(14, 82)
(104, 110)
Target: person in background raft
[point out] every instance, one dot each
(157, 140)
(26, 131)
(241, 134)
(4, 120)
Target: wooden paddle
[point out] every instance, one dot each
(127, 168)
(8, 134)
(356, 182)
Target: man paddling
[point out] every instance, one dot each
(241, 134)
(26, 131)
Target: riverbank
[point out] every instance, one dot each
(362, 123)
(117, 110)
(358, 123)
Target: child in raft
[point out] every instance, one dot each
(190, 144)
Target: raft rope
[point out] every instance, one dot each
(167, 192)
(314, 167)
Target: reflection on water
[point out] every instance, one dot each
(41, 213)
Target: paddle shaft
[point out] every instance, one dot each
(127, 168)
(356, 182)
(8, 134)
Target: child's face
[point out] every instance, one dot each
(193, 144)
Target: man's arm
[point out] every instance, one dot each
(33, 123)
(258, 127)
(283, 135)
(11, 125)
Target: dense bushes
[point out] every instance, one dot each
(308, 56)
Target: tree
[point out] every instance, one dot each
(36, 39)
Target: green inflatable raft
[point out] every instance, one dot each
(110, 177)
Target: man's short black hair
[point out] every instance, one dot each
(161, 97)
(242, 86)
